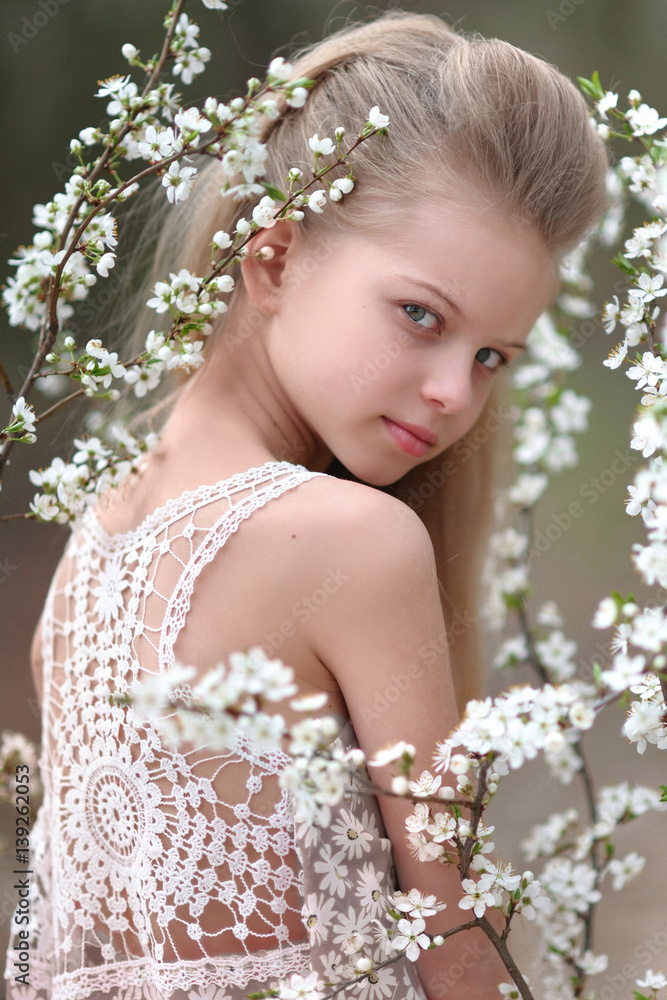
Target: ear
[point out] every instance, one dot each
(264, 279)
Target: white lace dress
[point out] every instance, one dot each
(180, 875)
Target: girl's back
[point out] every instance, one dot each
(182, 869)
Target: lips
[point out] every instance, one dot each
(406, 439)
(421, 432)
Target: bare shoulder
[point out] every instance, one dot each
(375, 556)
(343, 519)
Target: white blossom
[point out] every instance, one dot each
(319, 146)
(376, 119)
(263, 214)
(644, 120)
(623, 871)
(178, 181)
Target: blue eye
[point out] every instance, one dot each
(490, 350)
(419, 313)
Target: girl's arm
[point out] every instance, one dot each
(383, 638)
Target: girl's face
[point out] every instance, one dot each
(371, 332)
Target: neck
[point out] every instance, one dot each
(234, 406)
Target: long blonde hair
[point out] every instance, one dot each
(467, 113)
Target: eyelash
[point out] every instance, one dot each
(504, 362)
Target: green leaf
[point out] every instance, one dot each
(625, 265)
(591, 87)
(303, 81)
(274, 192)
(663, 789)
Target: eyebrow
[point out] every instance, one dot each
(446, 298)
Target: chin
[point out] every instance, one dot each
(357, 473)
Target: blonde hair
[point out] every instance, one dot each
(467, 114)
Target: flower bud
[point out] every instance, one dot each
(581, 716)
(317, 201)
(69, 343)
(51, 358)
(129, 51)
(340, 132)
(269, 108)
(554, 742)
(459, 764)
(400, 785)
(222, 239)
(87, 136)
(297, 98)
(237, 104)
(363, 965)
(243, 227)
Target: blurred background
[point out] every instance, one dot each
(53, 53)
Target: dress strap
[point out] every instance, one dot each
(226, 525)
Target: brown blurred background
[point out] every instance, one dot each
(53, 52)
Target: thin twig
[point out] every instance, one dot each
(504, 952)
(9, 389)
(50, 326)
(381, 965)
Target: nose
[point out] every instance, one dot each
(451, 386)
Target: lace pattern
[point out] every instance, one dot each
(156, 872)
(348, 874)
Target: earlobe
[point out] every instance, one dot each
(264, 279)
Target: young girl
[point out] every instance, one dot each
(351, 364)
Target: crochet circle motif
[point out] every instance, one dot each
(114, 811)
